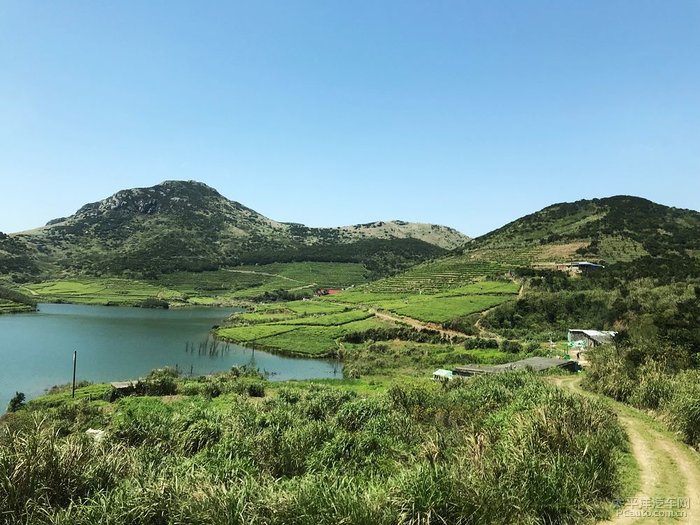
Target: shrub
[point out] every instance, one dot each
(16, 402)
(654, 386)
(199, 435)
(512, 347)
(610, 373)
(683, 409)
(256, 389)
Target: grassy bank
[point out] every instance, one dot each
(505, 449)
(12, 301)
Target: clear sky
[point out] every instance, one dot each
(468, 114)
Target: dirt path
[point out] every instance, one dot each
(415, 323)
(483, 332)
(266, 274)
(669, 470)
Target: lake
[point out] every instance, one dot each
(120, 343)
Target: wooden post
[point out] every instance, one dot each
(75, 355)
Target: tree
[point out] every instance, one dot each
(16, 402)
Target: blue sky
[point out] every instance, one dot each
(468, 114)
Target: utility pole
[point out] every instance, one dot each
(75, 356)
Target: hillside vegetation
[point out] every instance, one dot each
(188, 226)
(507, 449)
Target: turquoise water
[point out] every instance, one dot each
(114, 343)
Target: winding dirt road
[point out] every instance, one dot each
(669, 470)
(415, 323)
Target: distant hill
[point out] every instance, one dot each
(187, 225)
(633, 236)
(609, 230)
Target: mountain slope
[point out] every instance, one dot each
(609, 230)
(186, 225)
(634, 236)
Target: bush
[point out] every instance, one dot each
(16, 402)
(159, 382)
(683, 409)
(477, 343)
(511, 347)
(654, 386)
(256, 389)
(610, 373)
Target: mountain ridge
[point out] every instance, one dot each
(188, 225)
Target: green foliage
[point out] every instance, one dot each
(611, 373)
(476, 450)
(512, 347)
(400, 332)
(152, 302)
(160, 382)
(16, 402)
(299, 327)
(683, 408)
(543, 313)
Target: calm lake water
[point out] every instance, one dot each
(114, 343)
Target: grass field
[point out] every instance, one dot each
(298, 327)
(99, 291)
(203, 288)
(235, 449)
(440, 276)
(440, 307)
(11, 307)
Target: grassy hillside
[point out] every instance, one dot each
(242, 283)
(12, 301)
(233, 449)
(610, 230)
(188, 226)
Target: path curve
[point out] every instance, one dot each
(669, 469)
(418, 325)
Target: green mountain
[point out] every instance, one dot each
(187, 225)
(633, 237)
(610, 230)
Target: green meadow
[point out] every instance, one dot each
(208, 288)
(440, 307)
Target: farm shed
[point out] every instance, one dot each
(590, 338)
(580, 267)
(537, 364)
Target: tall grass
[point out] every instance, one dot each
(656, 385)
(504, 450)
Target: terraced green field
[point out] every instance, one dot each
(444, 309)
(298, 327)
(439, 276)
(203, 288)
(439, 308)
(315, 340)
(99, 291)
(314, 326)
(7, 307)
